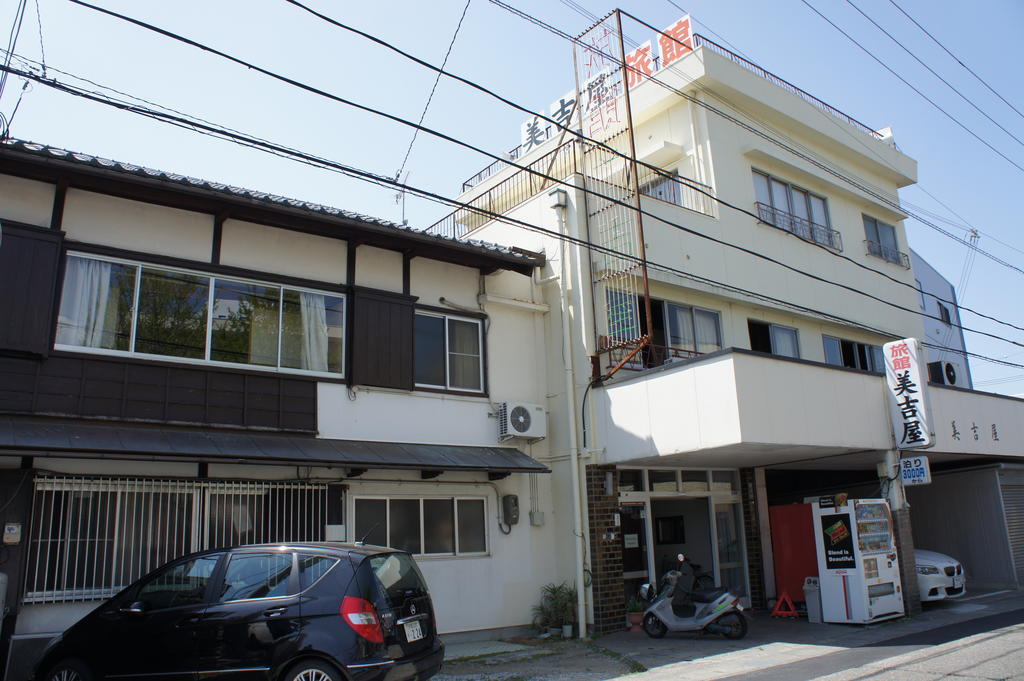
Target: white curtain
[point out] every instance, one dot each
(680, 326)
(706, 324)
(84, 304)
(314, 331)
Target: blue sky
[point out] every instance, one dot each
(532, 67)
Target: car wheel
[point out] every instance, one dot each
(69, 670)
(310, 670)
(653, 626)
(735, 625)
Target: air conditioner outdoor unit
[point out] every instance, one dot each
(518, 419)
(946, 373)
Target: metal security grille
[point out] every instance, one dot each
(92, 536)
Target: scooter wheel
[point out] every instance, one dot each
(653, 626)
(735, 625)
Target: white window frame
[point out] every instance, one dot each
(693, 324)
(455, 499)
(206, 361)
(871, 352)
(447, 353)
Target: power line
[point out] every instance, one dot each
(932, 71)
(528, 169)
(351, 171)
(582, 137)
(433, 89)
(809, 157)
(12, 41)
(956, 58)
(907, 83)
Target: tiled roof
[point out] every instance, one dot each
(79, 158)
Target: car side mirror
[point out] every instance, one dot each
(136, 608)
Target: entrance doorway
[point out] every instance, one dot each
(665, 512)
(681, 526)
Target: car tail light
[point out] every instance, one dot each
(362, 617)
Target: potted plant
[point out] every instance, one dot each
(635, 612)
(556, 611)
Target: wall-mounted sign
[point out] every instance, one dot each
(599, 64)
(908, 395)
(914, 470)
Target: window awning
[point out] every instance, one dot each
(33, 436)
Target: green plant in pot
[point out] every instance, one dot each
(556, 611)
(635, 613)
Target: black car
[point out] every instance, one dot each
(295, 612)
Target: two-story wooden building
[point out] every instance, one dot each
(185, 365)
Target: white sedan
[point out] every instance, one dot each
(939, 576)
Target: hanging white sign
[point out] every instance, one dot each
(909, 410)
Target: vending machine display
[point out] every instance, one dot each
(857, 567)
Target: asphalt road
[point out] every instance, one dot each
(986, 648)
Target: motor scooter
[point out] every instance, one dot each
(677, 606)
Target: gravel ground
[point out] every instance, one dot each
(545, 660)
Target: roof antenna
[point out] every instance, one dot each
(400, 196)
(362, 540)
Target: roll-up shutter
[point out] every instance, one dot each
(29, 265)
(382, 339)
(1013, 507)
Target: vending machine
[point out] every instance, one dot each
(857, 567)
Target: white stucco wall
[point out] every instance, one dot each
(27, 201)
(378, 268)
(134, 225)
(281, 251)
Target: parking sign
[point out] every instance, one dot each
(914, 470)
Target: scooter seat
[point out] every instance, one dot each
(707, 595)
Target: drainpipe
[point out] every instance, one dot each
(559, 202)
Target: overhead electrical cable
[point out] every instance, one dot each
(12, 41)
(352, 171)
(582, 137)
(933, 72)
(433, 89)
(956, 58)
(556, 180)
(909, 85)
(823, 165)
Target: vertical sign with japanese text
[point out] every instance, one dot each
(908, 397)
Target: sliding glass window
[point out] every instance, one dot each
(120, 307)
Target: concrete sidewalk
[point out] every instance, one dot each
(771, 643)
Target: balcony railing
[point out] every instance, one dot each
(887, 253)
(798, 226)
(561, 163)
(650, 355)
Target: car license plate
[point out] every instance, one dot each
(413, 631)
(958, 582)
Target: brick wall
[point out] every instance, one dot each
(908, 567)
(751, 528)
(605, 551)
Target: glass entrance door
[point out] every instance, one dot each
(635, 569)
(729, 538)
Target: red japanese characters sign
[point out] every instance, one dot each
(909, 410)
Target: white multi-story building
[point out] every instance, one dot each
(777, 267)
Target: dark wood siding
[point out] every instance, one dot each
(29, 266)
(132, 391)
(382, 333)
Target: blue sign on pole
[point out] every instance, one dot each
(914, 470)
